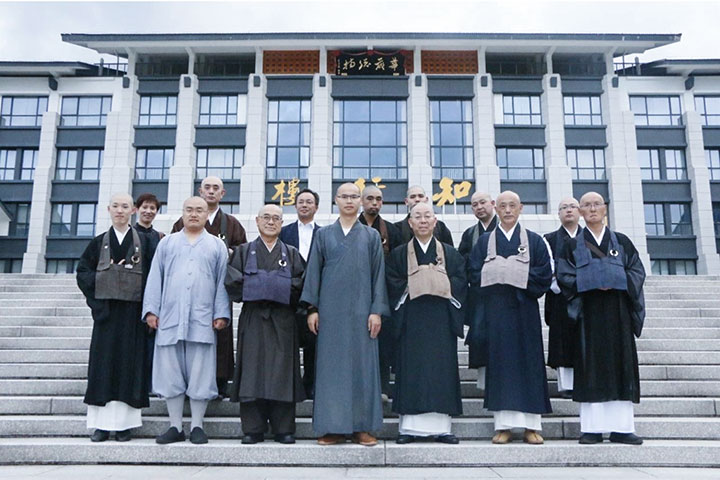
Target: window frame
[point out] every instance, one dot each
(662, 169)
(506, 169)
(19, 169)
(466, 146)
(74, 223)
(512, 115)
(169, 119)
(672, 264)
(236, 169)
(593, 116)
(671, 117)
(667, 220)
(274, 146)
(703, 114)
(165, 169)
(13, 209)
(6, 119)
(209, 114)
(101, 116)
(710, 159)
(79, 169)
(599, 173)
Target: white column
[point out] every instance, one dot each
(119, 154)
(182, 174)
(252, 187)
(321, 139)
(702, 217)
(487, 173)
(419, 167)
(557, 171)
(626, 209)
(40, 210)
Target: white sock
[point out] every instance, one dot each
(197, 410)
(175, 410)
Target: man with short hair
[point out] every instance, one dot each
(110, 275)
(372, 201)
(228, 229)
(266, 275)
(426, 285)
(300, 234)
(416, 194)
(561, 337)
(346, 296)
(509, 270)
(483, 207)
(185, 301)
(601, 274)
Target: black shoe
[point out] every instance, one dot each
(171, 436)
(566, 394)
(626, 438)
(286, 438)
(99, 435)
(253, 438)
(404, 439)
(123, 436)
(198, 436)
(590, 438)
(448, 438)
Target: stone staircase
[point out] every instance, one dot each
(45, 333)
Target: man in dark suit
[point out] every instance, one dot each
(300, 235)
(415, 195)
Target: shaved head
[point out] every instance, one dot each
(121, 208)
(593, 210)
(415, 194)
(212, 191)
(121, 197)
(270, 209)
(269, 222)
(591, 197)
(421, 208)
(346, 188)
(508, 195)
(371, 190)
(195, 214)
(213, 181)
(422, 221)
(569, 213)
(508, 207)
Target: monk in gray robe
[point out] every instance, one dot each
(185, 300)
(345, 293)
(266, 275)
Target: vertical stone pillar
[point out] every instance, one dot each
(626, 210)
(418, 111)
(557, 172)
(321, 138)
(708, 262)
(487, 173)
(34, 257)
(182, 173)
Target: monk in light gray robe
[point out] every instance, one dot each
(346, 294)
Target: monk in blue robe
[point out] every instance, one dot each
(345, 294)
(509, 270)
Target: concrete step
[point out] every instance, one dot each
(43, 294)
(687, 428)
(472, 407)
(54, 321)
(68, 450)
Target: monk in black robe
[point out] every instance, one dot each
(426, 287)
(416, 194)
(230, 231)
(111, 276)
(601, 274)
(561, 336)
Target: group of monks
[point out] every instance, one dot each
(364, 299)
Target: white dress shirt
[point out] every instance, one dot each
(305, 234)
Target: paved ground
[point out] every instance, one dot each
(135, 472)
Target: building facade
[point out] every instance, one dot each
(545, 115)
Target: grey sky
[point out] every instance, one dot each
(31, 31)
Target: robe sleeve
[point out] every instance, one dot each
(234, 275)
(177, 226)
(152, 300)
(297, 270)
(396, 276)
(476, 261)
(444, 234)
(222, 301)
(566, 273)
(237, 233)
(85, 277)
(466, 243)
(458, 288)
(379, 304)
(311, 288)
(540, 275)
(635, 279)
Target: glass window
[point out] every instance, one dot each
(709, 109)
(673, 267)
(680, 221)
(85, 226)
(158, 110)
(85, 111)
(64, 265)
(521, 163)
(218, 110)
(153, 163)
(716, 217)
(231, 208)
(61, 219)
(288, 147)
(521, 110)
(668, 219)
(370, 139)
(534, 208)
(713, 161)
(19, 219)
(587, 163)
(78, 164)
(582, 110)
(27, 169)
(451, 139)
(654, 219)
(10, 265)
(656, 110)
(7, 164)
(72, 219)
(22, 111)
(662, 164)
(220, 162)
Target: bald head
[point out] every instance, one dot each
(415, 194)
(121, 208)
(483, 206)
(569, 213)
(212, 191)
(347, 199)
(593, 210)
(591, 197)
(371, 190)
(422, 221)
(271, 209)
(269, 222)
(195, 214)
(508, 207)
(372, 201)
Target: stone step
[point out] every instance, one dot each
(42, 294)
(472, 407)
(687, 428)
(648, 388)
(558, 453)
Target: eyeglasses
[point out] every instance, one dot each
(568, 207)
(348, 197)
(268, 218)
(595, 205)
